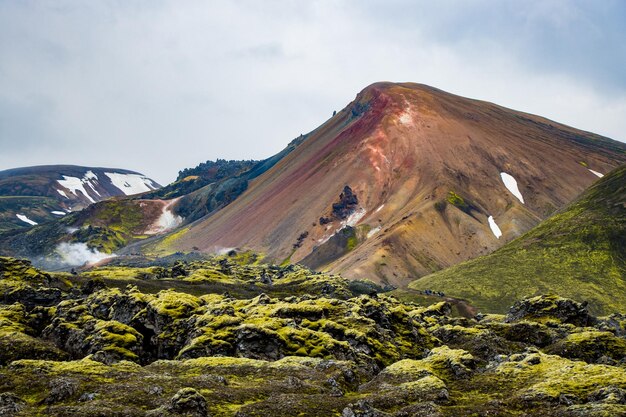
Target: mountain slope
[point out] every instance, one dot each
(432, 179)
(127, 222)
(43, 193)
(579, 252)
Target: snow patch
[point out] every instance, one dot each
(76, 254)
(76, 184)
(62, 193)
(89, 175)
(58, 213)
(353, 219)
(494, 227)
(26, 219)
(596, 173)
(373, 232)
(131, 184)
(511, 184)
(93, 189)
(324, 239)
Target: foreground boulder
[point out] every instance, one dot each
(546, 307)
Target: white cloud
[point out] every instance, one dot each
(174, 83)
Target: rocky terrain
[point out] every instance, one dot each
(233, 336)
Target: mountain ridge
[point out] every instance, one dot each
(403, 148)
(47, 192)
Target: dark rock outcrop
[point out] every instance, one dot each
(549, 306)
(348, 202)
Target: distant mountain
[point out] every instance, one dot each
(580, 253)
(34, 195)
(92, 234)
(403, 182)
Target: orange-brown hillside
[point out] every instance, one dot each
(428, 169)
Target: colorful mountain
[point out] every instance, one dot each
(403, 182)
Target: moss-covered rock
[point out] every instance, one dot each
(552, 378)
(141, 348)
(17, 338)
(591, 346)
(186, 402)
(526, 332)
(551, 307)
(481, 342)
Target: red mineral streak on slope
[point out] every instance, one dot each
(407, 146)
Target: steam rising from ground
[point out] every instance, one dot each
(77, 254)
(219, 250)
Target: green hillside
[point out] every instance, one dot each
(35, 208)
(579, 253)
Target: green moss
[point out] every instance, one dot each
(165, 244)
(174, 304)
(577, 253)
(443, 362)
(591, 346)
(116, 333)
(13, 319)
(352, 243)
(552, 376)
(407, 370)
(321, 354)
(20, 270)
(210, 275)
(85, 366)
(426, 383)
(456, 200)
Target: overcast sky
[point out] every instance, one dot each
(160, 85)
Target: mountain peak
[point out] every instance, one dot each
(434, 175)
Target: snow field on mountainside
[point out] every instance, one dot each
(511, 184)
(494, 227)
(130, 184)
(26, 219)
(76, 184)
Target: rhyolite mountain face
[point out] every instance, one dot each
(580, 252)
(38, 194)
(234, 336)
(405, 181)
